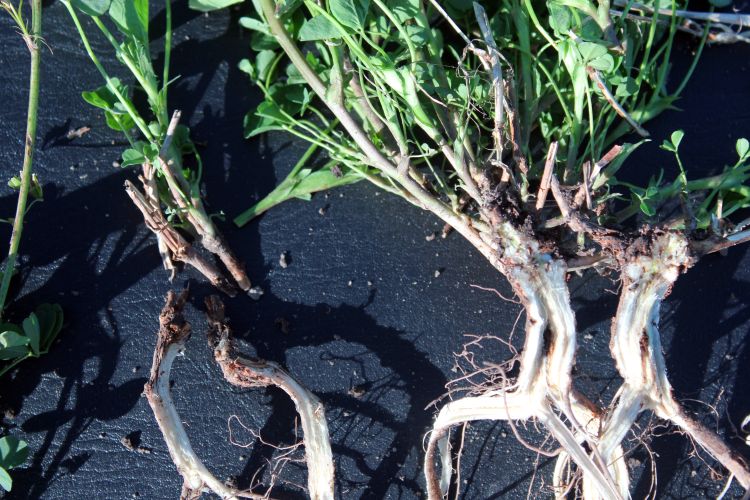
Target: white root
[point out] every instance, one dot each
(245, 372)
(636, 347)
(173, 333)
(544, 383)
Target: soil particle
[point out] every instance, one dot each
(282, 324)
(322, 210)
(357, 391)
(77, 133)
(255, 293)
(284, 260)
(430, 237)
(132, 442)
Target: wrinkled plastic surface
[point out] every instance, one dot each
(371, 329)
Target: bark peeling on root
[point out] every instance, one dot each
(172, 246)
(636, 348)
(544, 383)
(173, 333)
(246, 372)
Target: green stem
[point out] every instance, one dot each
(151, 91)
(15, 239)
(110, 84)
(167, 52)
(358, 135)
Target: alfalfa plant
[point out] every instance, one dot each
(34, 335)
(170, 200)
(509, 127)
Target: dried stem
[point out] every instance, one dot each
(151, 192)
(210, 237)
(175, 245)
(544, 184)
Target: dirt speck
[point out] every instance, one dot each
(132, 442)
(357, 391)
(282, 324)
(284, 260)
(77, 133)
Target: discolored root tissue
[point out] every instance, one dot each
(246, 372)
(173, 333)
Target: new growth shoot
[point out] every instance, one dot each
(169, 197)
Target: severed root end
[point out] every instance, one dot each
(247, 372)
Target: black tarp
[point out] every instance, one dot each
(360, 295)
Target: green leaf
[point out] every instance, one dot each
(405, 10)
(743, 147)
(247, 67)
(560, 18)
(350, 13)
(50, 323)
(13, 452)
(604, 63)
(101, 98)
(263, 63)
(92, 7)
(260, 41)
(267, 117)
(131, 17)
(322, 180)
(14, 183)
(209, 5)
(5, 480)
(647, 209)
(318, 28)
(674, 143)
(255, 25)
(13, 345)
(125, 121)
(132, 157)
(590, 51)
(33, 332)
(676, 138)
